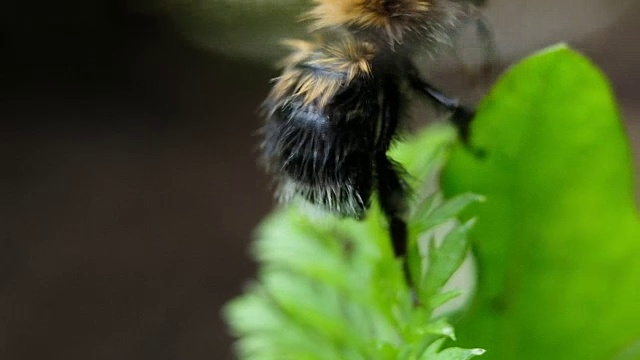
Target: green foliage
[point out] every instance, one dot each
(558, 238)
(557, 241)
(332, 289)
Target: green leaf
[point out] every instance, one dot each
(441, 327)
(444, 260)
(332, 289)
(427, 216)
(424, 153)
(558, 238)
(449, 354)
(442, 298)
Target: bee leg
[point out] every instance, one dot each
(392, 192)
(461, 116)
(487, 39)
(483, 63)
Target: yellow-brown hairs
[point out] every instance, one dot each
(395, 20)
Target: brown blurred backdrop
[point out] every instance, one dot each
(128, 182)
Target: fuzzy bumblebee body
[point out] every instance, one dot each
(394, 22)
(334, 111)
(323, 126)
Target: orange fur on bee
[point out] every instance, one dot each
(395, 20)
(346, 58)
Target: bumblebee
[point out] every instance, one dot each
(333, 113)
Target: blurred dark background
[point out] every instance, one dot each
(129, 188)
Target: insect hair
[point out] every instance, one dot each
(334, 111)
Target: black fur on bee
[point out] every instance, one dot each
(335, 110)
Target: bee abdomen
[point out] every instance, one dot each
(318, 158)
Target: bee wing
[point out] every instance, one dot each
(475, 46)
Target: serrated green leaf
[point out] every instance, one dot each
(424, 153)
(444, 260)
(431, 353)
(332, 289)
(457, 354)
(440, 327)
(558, 239)
(429, 216)
(442, 298)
